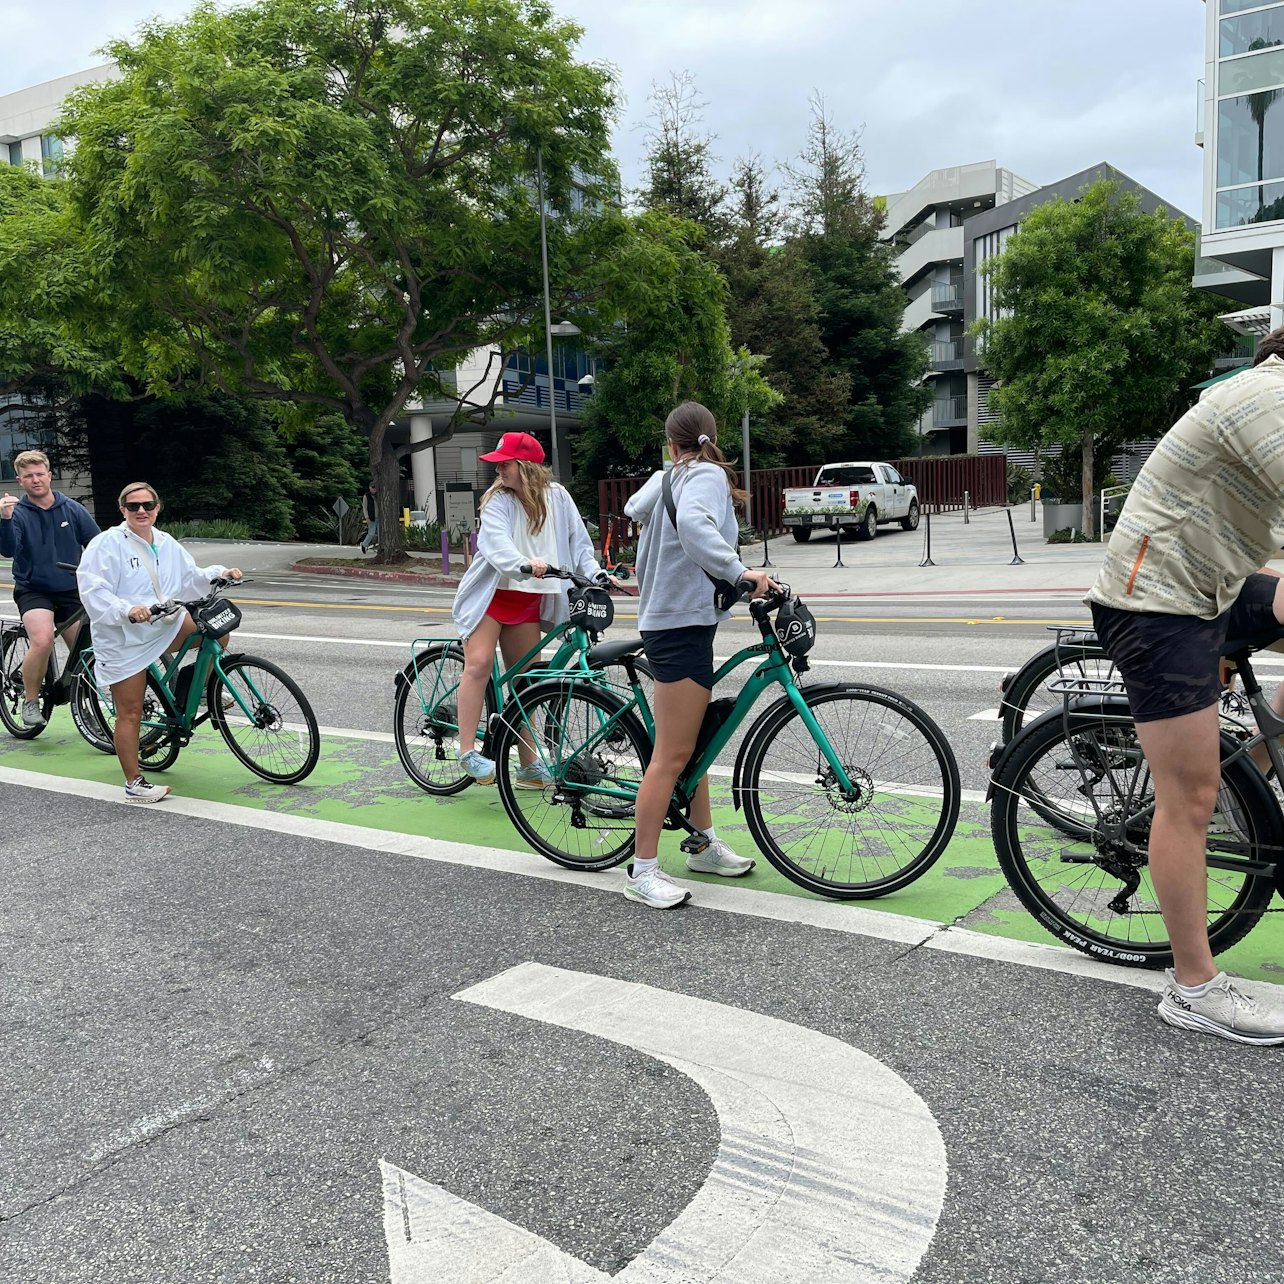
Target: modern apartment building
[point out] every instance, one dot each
(1241, 129)
(927, 224)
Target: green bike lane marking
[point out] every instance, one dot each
(360, 784)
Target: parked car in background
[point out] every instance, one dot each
(860, 494)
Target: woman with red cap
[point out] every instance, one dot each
(526, 517)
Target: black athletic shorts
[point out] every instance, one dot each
(1169, 663)
(674, 654)
(63, 605)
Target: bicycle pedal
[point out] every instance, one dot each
(694, 844)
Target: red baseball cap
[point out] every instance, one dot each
(516, 445)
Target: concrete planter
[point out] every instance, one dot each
(1059, 514)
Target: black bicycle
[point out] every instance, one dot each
(1072, 803)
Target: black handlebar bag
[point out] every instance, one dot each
(217, 618)
(591, 609)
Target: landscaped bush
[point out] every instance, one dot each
(219, 528)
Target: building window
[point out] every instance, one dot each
(50, 153)
(1260, 203)
(1237, 6)
(1250, 31)
(15, 153)
(1250, 138)
(1251, 73)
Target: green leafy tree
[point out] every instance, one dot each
(669, 345)
(327, 460)
(322, 201)
(1099, 332)
(859, 297)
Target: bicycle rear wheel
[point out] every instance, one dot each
(14, 645)
(94, 714)
(268, 724)
(1079, 878)
(1027, 695)
(86, 711)
(425, 719)
(901, 817)
(595, 752)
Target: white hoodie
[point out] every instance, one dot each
(114, 577)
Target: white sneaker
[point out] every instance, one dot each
(139, 790)
(718, 858)
(1224, 1010)
(655, 889)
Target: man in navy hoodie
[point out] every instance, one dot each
(38, 531)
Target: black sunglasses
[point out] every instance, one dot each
(135, 504)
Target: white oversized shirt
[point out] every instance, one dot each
(114, 577)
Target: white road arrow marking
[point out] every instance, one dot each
(830, 1167)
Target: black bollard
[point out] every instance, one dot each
(838, 535)
(927, 541)
(766, 554)
(1017, 559)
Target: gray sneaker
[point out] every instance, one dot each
(718, 858)
(139, 790)
(1224, 1010)
(655, 889)
(32, 714)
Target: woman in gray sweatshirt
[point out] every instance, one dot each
(678, 619)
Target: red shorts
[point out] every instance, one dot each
(512, 606)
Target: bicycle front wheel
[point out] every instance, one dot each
(1027, 695)
(593, 752)
(1082, 869)
(13, 650)
(425, 719)
(885, 834)
(265, 719)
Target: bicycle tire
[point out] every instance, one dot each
(589, 739)
(1064, 881)
(86, 715)
(157, 746)
(424, 719)
(14, 645)
(270, 725)
(1027, 697)
(898, 826)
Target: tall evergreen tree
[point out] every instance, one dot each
(858, 290)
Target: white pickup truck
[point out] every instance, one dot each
(859, 494)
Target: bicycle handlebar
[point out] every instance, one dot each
(171, 607)
(565, 573)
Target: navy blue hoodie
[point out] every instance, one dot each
(39, 538)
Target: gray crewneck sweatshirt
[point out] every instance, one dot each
(675, 593)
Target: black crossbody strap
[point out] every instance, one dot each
(725, 594)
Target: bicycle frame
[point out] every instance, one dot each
(772, 671)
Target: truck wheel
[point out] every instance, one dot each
(869, 527)
(801, 533)
(910, 521)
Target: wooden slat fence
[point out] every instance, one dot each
(941, 481)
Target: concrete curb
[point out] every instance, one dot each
(372, 573)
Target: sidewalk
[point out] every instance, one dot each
(969, 557)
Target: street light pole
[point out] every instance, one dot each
(548, 318)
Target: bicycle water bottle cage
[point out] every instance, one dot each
(591, 609)
(217, 618)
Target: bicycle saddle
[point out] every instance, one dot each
(614, 652)
(1254, 641)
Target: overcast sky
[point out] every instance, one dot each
(1043, 87)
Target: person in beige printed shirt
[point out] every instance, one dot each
(1184, 572)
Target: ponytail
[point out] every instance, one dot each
(692, 428)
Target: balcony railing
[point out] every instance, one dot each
(947, 350)
(949, 412)
(947, 297)
(535, 393)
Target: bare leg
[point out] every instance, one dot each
(479, 663)
(679, 710)
(514, 641)
(1184, 763)
(127, 696)
(40, 639)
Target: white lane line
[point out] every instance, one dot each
(775, 906)
(985, 715)
(826, 1155)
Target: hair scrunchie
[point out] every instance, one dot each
(704, 437)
